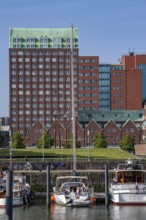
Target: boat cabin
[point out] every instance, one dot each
(130, 172)
(129, 176)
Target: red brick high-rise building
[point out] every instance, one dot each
(40, 76)
(126, 88)
(136, 62)
(40, 80)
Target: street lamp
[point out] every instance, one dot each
(43, 143)
(10, 137)
(43, 136)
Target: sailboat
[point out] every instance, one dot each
(73, 190)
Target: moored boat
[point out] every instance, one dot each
(72, 191)
(21, 191)
(128, 186)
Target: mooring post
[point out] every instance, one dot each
(9, 195)
(106, 186)
(48, 184)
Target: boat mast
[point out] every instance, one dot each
(73, 103)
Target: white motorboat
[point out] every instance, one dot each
(128, 187)
(21, 191)
(72, 191)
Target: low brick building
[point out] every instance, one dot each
(113, 124)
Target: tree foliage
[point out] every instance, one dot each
(78, 144)
(17, 140)
(45, 141)
(127, 143)
(1, 140)
(99, 140)
(69, 143)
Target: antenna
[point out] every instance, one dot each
(119, 61)
(131, 53)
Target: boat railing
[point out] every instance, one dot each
(132, 186)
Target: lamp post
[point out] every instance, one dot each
(55, 130)
(88, 133)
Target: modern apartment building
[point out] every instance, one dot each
(134, 63)
(111, 86)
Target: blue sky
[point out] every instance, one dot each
(107, 28)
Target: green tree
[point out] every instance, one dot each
(17, 140)
(99, 140)
(69, 142)
(1, 140)
(127, 143)
(45, 140)
(78, 144)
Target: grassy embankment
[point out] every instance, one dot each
(107, 153)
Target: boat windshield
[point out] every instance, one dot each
(129, 166)
(72, 184)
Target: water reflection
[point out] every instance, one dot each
(127, 212)
(39, 211)
(64, 213)
(98, 212)
(2, 214)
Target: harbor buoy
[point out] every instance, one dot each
(52, 198)
(93, 199)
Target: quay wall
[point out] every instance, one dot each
(95, 169)
(38, 180)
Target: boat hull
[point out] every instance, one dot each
(71, 200)
(17, 202)
(128, 199)
(60, 199)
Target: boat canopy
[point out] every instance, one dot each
(72, 180)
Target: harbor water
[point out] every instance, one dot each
(39, 211)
